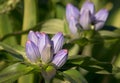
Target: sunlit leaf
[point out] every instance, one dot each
(16, 50)
(74, 76)
(53, 26)
(13, 72)
(109, 34)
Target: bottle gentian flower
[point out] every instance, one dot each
(86, 17)
(39, 47)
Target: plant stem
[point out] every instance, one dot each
(29, 21)
(30, 17)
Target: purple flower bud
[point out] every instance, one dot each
(45, 48)
(33, 37)
(47, 54)
(38, 34)
(32, 51)
(85, 19)
(71, 12)
(60, 58)
(101, 17)
(43, 41)
(58, 40)
(72, 26)
(72, 16)
(87, 6)
(41, 48)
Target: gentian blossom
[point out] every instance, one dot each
(40, 48)
(86, 17)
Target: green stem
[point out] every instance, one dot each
(87, 51)
(30, 17)
(29, 21)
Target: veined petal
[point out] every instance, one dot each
(71, 11)
(47, 54)
(43, 41)
(58, 40)
(87, 6)
(85, 19)
(101, 17)
(60, 58)
(38, 34)
(32, 51)
(33, 37)
(72, 26)
(45, 48)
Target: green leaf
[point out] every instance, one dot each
(53, 26)
(74, 76)
(103, 50)
(74, 50)
(89, 64)
(58, 79)
(13, 72)
(16, 50)
(81, 41)
(112, 34)
(3, 64)
(116, 71)
(6, 28)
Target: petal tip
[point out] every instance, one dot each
(65, 50)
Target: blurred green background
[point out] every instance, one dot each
(12, 13)
(17, 17)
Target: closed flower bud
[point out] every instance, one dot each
(60, 58)
(73, 26)
(32, 51)
(72, 16)
(101, 17)
(46, 51)
(57, 40)
(33, 37)
(45, 48)
(38, 34)
(87, 6)
(71, 12)
(85, 19)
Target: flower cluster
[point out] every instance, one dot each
(40, 48)
(86, 17)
